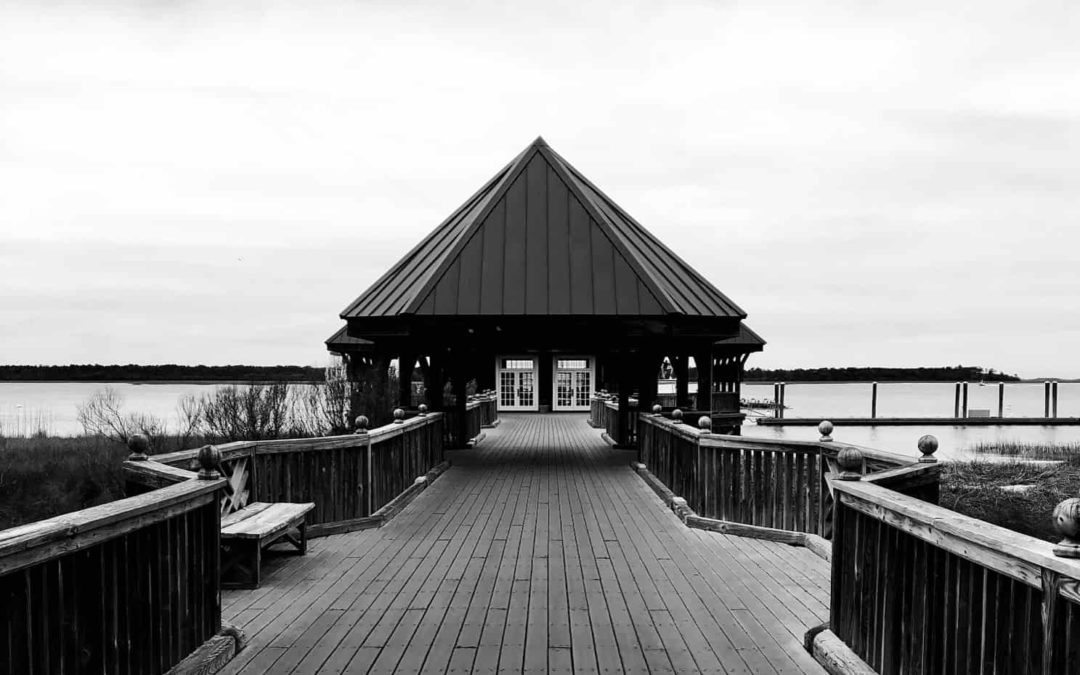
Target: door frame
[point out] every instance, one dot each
(499, 370)
(591, 369)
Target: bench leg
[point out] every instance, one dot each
(300, 540)
(241, 563)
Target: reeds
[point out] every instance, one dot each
(1020, 493)
(1027, 450)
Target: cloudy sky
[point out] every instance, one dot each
(875, 183)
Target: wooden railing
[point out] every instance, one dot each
(126, 587)
(760, 482)
(489, 409)
(473, 424)
(349, 478)
(920, 589)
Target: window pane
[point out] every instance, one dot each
(572, 364)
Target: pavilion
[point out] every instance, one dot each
(543, 289)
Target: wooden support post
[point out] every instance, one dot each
(682, 389)
(1001, 399)
(873, 401)
(433, 383)
(406, 363)
(1055, 392)
(776, 400)
(625, 416)
(783, 398)
(460, 402)
(646, 367)
(1046, 398)
(704, 362)
(956, 401)
(964, 410)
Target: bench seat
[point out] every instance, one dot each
(259, 525)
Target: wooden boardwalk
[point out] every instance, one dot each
(539, 551)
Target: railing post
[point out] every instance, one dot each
(1067, 524)
(825, 428)
(209, 460)
(850, 461)
(1001, 399)
(361, 430)
(873, 401)
(139, 446)
(928, 445)
(956, 401)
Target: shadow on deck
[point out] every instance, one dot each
(539, 551)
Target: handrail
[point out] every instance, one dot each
(26, 545)
(959, 593)
(770, 484)
(128, 586)
(348, 477)
(1010, 553)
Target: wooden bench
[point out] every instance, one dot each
(245, 533)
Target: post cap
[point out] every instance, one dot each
(825, 428)
(705, 423)
(139, 445)
(423, 409)
(209, 460)
(928, 445)
(1067, 524)
(850, 461)
(399, 415)
(656, 409)
(676, 416)
(362, 423)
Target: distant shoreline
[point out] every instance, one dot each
(156, 382)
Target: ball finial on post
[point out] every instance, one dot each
(928, 445)
(399, 415)
(361, 423)
(139, 446)
(676, 416)
(1067, 524)
(656, 409)
(850, 461)
(423, 409)
(209, 460)
(825, 429)
(705, 423)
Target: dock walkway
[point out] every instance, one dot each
(539, 551)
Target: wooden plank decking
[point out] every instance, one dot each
(539, 551)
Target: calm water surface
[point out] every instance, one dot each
(28, 406)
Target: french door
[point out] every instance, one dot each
(517, 383)
(573, 382)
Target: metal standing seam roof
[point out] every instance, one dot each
(342, 342)
(746, 341)
(540, 239)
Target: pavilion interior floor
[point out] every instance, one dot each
(540, 550)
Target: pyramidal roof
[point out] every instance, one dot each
(540, 239)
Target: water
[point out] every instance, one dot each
(917, 399)
(27, 406)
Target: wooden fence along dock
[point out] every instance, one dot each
(541, 550)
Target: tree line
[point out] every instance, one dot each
(170, 371)
(941, 374)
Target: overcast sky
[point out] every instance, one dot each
(875, 183)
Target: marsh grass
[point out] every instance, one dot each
(1024, 450)
(42, 477)
(978, 489)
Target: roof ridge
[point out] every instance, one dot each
(415, 250)
(433, 278)
(645, 233)
(568, 174)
